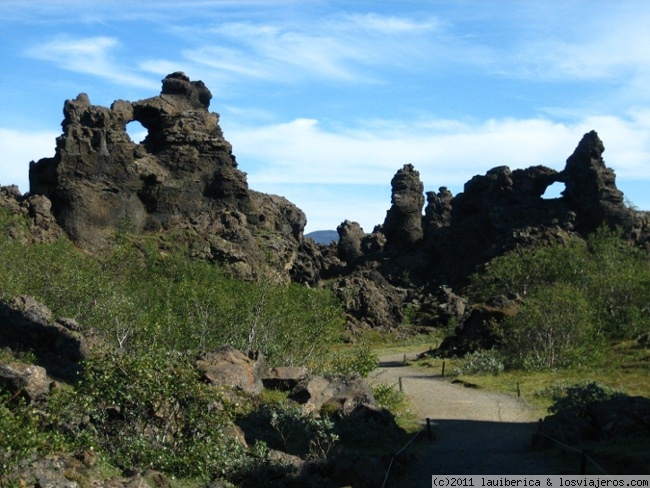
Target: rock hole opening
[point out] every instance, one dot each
(554, 191)
(136, 131)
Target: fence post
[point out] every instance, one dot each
(404, 362)
(401, 386)
(443, 369)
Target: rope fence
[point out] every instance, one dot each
(584, 457)
(392, 459)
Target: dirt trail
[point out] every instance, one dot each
(476, 432)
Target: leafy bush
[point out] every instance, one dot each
(303, 434)
(144, 299)
(151, 411)
(553, 329)
(25, 433)
(482, 361)
(576, 294)
(361, 361)
(389, 397)
(576, 398)
(610, 273)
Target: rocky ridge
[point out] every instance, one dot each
(184, 180)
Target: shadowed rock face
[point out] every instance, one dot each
(183, 176)
(403, 224)
(591, 189)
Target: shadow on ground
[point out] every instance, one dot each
(480, 447)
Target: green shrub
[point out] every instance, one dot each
(605, 270)
(554, 329)
(142, 299)
(389, 397)
(483, 361)
(302, 434)
(152, 411)
(575, 399)
(576, 295)
(25, 433)
(361, 361)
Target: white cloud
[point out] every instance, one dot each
(17, 149)
(89, 55)
(447, 152)
(281, 157)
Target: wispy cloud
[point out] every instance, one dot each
(309, 153)
(340, 47)
(88, 55)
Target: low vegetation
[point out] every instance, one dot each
(141, 404)
(578, 296)
(584, 307)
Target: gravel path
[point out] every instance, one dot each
(476, 432)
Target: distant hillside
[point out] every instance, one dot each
(323, 236)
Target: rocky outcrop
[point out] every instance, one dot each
(26, 380)
(57, 345)
(370, 300)
(182, 177)
(351, 236)
(342, 394)
(405, 261)
(591, 190)
(620, 416)
(403, 224)
(35, 210)
(230, 367)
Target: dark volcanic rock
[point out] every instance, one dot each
(341, 394)
(369, 299)
(182, 177)
(591, 190)
(403, 224)
(437, 214)
(349, 244)
(58, 346)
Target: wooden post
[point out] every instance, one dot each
(443, 369)
(429, 433)
(401, 386)
(404, 360)
(518, 390)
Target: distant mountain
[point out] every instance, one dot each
(324, 236)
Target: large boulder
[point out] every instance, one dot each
(284, 377)
(27, 380)
(58, 345)
(369, 299)
(349, 244)
(340, 394)
(230, 367)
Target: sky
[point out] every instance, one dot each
(324, 100)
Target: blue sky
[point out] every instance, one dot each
(324, 101)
